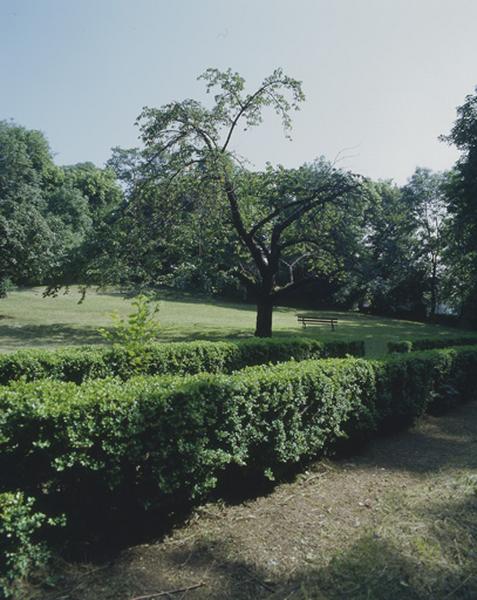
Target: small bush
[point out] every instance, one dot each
(20, 551)
(432, 343)
(138, 329)
(400, 347)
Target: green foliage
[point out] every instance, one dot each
(97, 186)
(461, 194)
(20, 550)
(179, 358)
(27, 176)
(5, 286)
(425, 200)
(138, 329)
(393, 281)
(49, 216)
(403, 346)
(154, 438)
(106, 446)
(410, 384)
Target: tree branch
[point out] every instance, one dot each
(245, 278)
(261, 260)
(244, 108)
(290, 287)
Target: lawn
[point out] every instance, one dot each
(29, 320)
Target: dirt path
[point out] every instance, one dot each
(398, 521)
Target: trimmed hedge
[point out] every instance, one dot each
(178, 358)
(20, 550)
(404, 346)
(155, 438)
(109, 444)
(101, 451)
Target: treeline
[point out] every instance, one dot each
(53, 219)
(406, 250)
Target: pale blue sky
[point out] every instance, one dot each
(381, 76)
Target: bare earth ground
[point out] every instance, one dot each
(398, 521)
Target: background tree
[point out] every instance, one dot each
(394, 281)
(462, 198)
(50, 216)
(89, 199)
(424, 199)
(27, 173)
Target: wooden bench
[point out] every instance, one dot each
(304, 320)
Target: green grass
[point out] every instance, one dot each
(29, 320)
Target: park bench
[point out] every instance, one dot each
(304, 320)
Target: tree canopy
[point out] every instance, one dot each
(48, 214)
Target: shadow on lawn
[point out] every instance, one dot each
(445, 442)
(14, 337)
(374, 330)
(399, 328)
(185, 298)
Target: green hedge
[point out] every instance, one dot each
(152, 438)
(179, 358)
(107, 443)
(108, 448)
(403, 346)
(20, 550)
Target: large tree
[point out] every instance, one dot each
(187, 137)
(394, 280)
(50, 216)
(27, 174)
(424, 200)
(462, 198)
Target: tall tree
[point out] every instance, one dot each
(395, 281)
(27, 173)
(462, 197)
(49, 215)
(188, 137)
(424, 199)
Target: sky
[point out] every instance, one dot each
(382, 78)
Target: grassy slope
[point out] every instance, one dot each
(28, 320)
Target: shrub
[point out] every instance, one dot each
(400, 347)
(20, 551)
(403, 346)
(138, 329)
(432, 343)
(105, 445)
(107, 442)
(181, 358)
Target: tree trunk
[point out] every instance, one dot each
(264, 318)
(433, 289)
